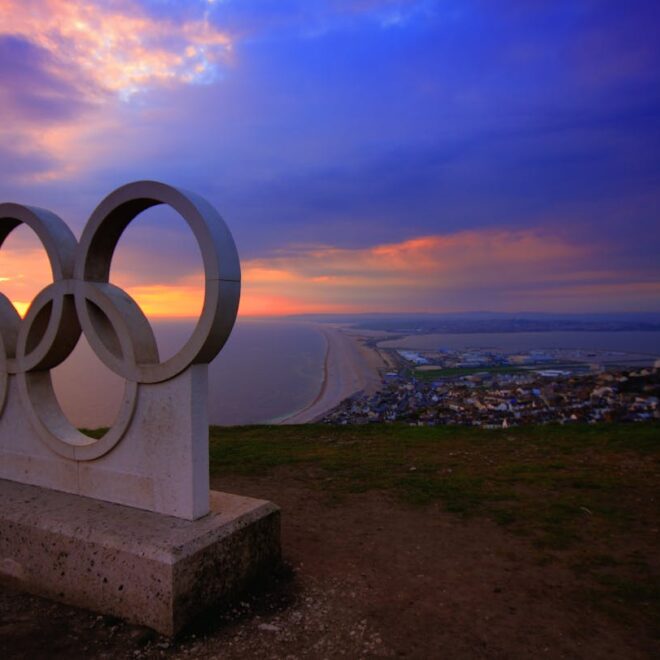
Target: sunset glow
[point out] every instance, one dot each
(451, 271)
(367, 156)
(118, 47)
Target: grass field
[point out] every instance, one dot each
(585, 497)
(580, 494)
(540, 479)
(451, 372)
(455, 372)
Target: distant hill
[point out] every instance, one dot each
(495, 322)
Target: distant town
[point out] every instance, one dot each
(495, 389)
(489, 322)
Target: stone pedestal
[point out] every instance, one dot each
(151, 569)
(160, 463)
(152, 546)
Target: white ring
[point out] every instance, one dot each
(222, 278)
(81, 297)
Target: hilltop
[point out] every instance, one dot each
(420, 542)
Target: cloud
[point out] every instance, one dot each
(38, 98)
(356, 138)
(24, 270)
(67, 66)
(389, 13)
(495, 269)
(34, 85)
(272, 19)
(118, 47)
(503, 270)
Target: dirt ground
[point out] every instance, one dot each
(366, 577)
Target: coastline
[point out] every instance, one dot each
(349, 367)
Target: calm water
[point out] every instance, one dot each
(267, 369)
(646, 343)
(270, 369)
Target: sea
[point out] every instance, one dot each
(269, 369)
(633, 342)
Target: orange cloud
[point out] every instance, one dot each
(24, 270)
(169, 301)
(498, 270)
(254, 303)
(119, 48)
(454, 259)
(89, 58)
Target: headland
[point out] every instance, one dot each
(350, 366)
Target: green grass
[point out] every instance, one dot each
(94, 433)
(565, 488)
(543, 480)
(451, 372)
(550, 482)
(628, 590)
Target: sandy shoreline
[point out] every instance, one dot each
(349, 367)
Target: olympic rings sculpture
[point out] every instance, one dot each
(81, 299)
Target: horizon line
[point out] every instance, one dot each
(418, 314)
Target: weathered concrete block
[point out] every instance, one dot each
(155, 570)
(161, 463)
(152, 546)
(155, 455)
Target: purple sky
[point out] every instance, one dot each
(369, 155)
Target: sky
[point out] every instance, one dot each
(368, 155)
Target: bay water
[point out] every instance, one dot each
(267, 370)
(632, 342)
(271, 369)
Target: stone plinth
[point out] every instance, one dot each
(161, 463)
(155, 570)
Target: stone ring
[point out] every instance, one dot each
(81, 298)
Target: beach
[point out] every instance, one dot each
(349, 367)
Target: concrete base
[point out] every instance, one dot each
(160, 463)
(145, 567)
